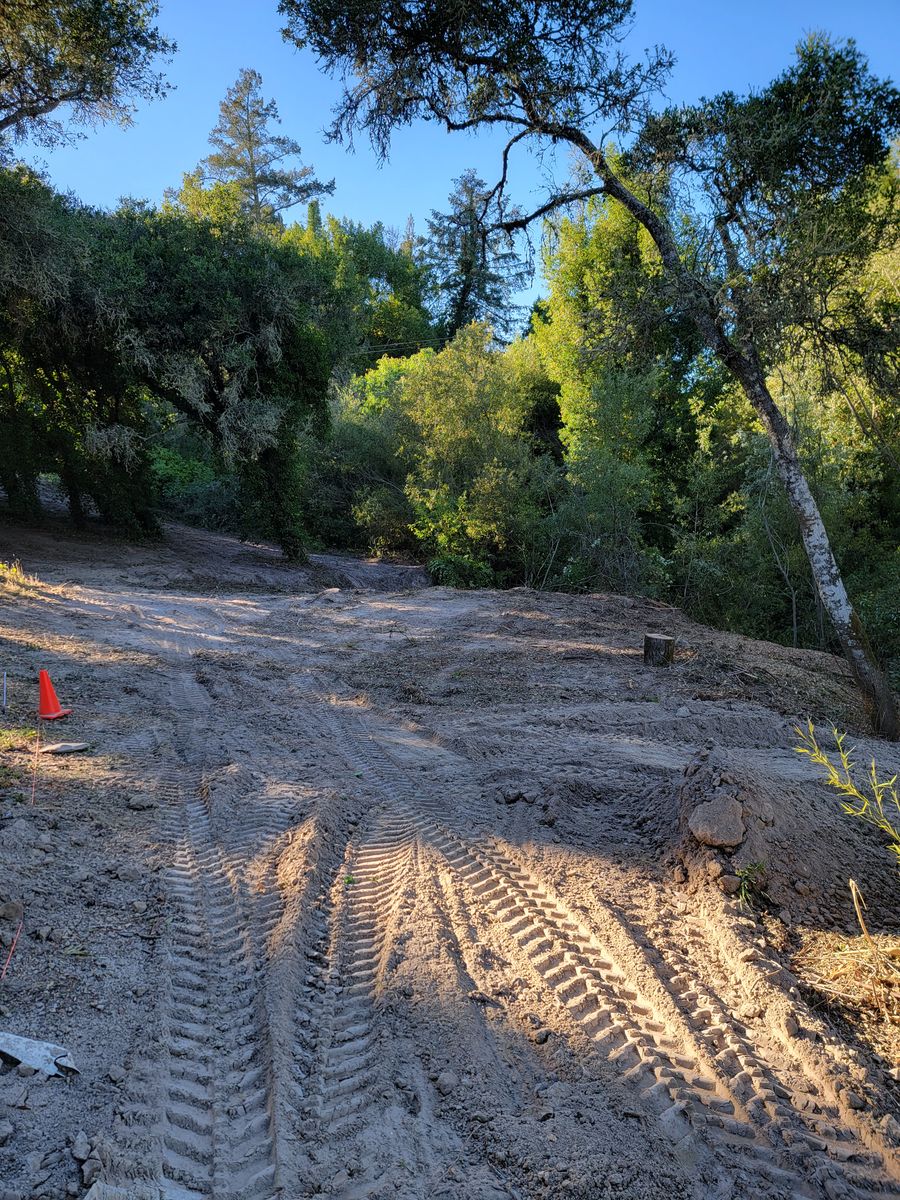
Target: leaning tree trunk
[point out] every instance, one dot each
(825, 570)
(745, 366)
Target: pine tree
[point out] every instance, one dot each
(248, 152)
(476, 268)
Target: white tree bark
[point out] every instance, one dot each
(744, 364)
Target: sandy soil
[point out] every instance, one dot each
(372, 890)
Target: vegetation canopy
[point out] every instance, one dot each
(555, 73)
(94, 57)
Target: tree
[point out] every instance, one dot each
(248, 153)
(94, 56)
(381, 289)
(110, 323)
(757, 172)
(221, 327)
(71, 403)
(475, 267)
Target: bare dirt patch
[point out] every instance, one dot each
(367, 889)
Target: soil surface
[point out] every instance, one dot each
(370, 890)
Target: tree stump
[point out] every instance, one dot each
(659, 650)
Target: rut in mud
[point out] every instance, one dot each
(418, 935)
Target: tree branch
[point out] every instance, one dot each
(558, 201)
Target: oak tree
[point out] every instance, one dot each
(92, 57)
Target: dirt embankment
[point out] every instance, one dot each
(367, 889)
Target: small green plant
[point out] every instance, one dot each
(14, 739)
(12, 573)
(348, 879)
(751, 892)
(876, 802)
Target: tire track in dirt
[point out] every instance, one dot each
(216, 1135)
(223, 1101)
(684, 1073)
(830, 1154)
(208, 1113)
(671, 1076)
(363, 920)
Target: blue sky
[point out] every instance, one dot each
(718, 44)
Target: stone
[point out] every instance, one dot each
(116, 1074)
(6, 1132)
(12, 911)
(128, 874)
(81, 1147)
(90, 1170)
(139, 906)
(18, 832)
(854, 1099)
(714, 869)
(890, 1127)
(141, 803)
(447, 1082)
(683, 711)
(791, 1026)
(718, 822)
(730, 884)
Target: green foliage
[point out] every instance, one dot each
(250, 157)
(71, 404)
(774, 180)
(477, 490)
(875, 802)
(751, 891)
(380, 290)
(453, 455)
(93, 56)
(192, 490)
(111, 321)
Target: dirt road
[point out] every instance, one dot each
(379, 891)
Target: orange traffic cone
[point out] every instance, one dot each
(48, 705)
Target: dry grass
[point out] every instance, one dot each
(14, 579)
(858, 980)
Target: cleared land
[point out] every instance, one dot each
(373, 890)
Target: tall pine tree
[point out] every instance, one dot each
(246, 151)
(476, 267)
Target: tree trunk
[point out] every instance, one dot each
(744, 364)
(659, 650)
(826, 573)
